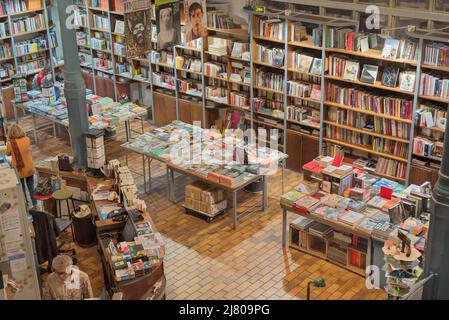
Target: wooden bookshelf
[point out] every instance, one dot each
(318, 246)
(23, 13)
(365, 149)
(372, 113)
(29, 32)
(377, 85)
(367, 132)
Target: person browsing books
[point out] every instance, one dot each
(19, 148)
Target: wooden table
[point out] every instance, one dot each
(141, 288)
(171, 168)
(53, 121)
(334, 224)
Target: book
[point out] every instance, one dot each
(350, 217)
(407, 81)
(369, 73)
(391, 48)
(291, 197)
(306, 202)
(390, 76)
(351, 71)
(305, 63)
(317, 66)
(364, 43)
(316, 92)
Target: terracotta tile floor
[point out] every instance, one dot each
(212, 261)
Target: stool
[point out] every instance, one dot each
(47, 201)
(64, 195)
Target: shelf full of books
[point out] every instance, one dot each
(27, 40)
(368, 107)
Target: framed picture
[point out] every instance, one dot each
(196, 19)
(137, 31)
(168, 23)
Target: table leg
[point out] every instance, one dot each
(168, 184)
(149, 171)
(144, 174)
(16, 117)
(54, 130)
(284, 227)
(34, 128)
(264, 193)
(172, 180)
(234, 209)
(282, 169)
(127, 130)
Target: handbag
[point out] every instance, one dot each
(43, 187)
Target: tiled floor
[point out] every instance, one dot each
(212, 261)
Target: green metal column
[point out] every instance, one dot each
(437, 251)
(74, 86)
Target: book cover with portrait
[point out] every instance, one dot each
(168, 23)
(196, 19)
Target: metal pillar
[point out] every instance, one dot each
(74, 88)
(437, 251)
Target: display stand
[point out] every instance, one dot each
(16, 249)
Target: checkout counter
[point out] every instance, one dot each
(148, 282)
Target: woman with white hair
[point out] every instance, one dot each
(67, 282)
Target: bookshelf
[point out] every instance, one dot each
(390, 136)
(31, 46)
(300, 103)
(342, 245)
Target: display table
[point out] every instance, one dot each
(146, 287)
(52, 121)
(157, 146)
(336, 226)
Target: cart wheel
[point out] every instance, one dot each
(209, 220)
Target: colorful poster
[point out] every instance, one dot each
(196, 19)
(168, 23)
(137, 27)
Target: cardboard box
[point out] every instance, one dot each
(213, 195)
(189, 203)
(196, 205)
(195, 190)
(215, 208)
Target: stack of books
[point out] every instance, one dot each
(32, 23)
(271, 28)
(436, 54)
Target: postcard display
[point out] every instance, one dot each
(16, 251)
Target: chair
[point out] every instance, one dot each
(62, 225)
(48, 230)
(63, 195)
(47, 202)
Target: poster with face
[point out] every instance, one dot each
(137, 29)
(196, 19)
(168, 23)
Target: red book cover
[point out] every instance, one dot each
(386, 193)
(300, 210)
(338, 160)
